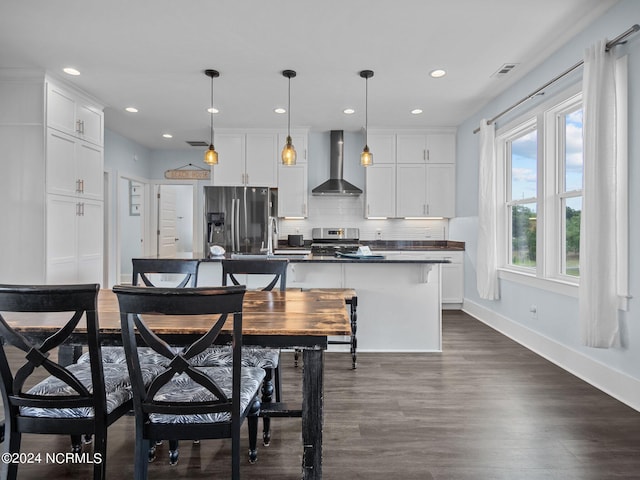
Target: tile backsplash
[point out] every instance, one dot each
(349, 212)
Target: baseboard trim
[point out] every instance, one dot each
(619, 385)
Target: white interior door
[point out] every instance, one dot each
(167, 221)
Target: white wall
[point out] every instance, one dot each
(555, 333)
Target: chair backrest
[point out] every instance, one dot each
(277, 268)
(142, 267)
(28, 306)
(210, 302)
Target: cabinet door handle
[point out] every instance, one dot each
(77, 209)
(424, 154)
(81, 186)
(78, 126)
(82, 125)
(82, 209)
(78, 190)
(428, 155)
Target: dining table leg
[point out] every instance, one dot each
(312, 413)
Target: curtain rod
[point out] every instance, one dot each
(616, 41)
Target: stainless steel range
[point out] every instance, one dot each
(328, 241)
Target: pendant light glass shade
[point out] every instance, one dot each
(211, 156)
(366, 157)
(289, 152)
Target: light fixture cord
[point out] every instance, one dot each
(366, 111)
(289, 110)
(211, 118)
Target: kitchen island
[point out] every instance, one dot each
(399, 295)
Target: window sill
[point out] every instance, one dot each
(550, 284)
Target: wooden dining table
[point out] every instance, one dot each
(291, 319)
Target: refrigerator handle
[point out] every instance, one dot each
(233, 225)
(237, 223)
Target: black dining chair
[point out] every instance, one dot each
(76, 400)
(143, 268)
(186, 401)
(266, 274)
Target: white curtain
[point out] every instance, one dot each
(487, 258)
(598, 299)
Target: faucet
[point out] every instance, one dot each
(272, 234)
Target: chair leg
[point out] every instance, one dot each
(267, 397)
(14, 447)
(252, 424)
(173, 452)
(278, 384)
(76, 443)
(100, 448)
(141, 466)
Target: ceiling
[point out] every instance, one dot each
(152, 54)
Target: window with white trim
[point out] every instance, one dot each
(540, 170)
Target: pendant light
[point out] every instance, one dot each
(366, 157)
(211, 156)
(289, 152)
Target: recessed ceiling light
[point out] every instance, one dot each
(213, 110)
(71, 71)
(437, 73)
(167, 135)
(280, 110)
(416, 111)
(349, 111)
(131, 109)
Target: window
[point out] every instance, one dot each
(522, 195)
(570, 189)
(541, 170)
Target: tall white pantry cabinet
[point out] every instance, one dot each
(51, 181)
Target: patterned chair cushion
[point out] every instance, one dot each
(251, 357)
(116, 355)
(117, 386)
(212, 357)
(183, 388)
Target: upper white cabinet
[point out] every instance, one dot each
(413, 175)
(246, 159)
(70, 113)
(293, 195)
(426, 148)
(74, 167)
(52, 136)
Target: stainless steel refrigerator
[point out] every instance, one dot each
(237, 218)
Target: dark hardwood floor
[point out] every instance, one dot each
(485, 408)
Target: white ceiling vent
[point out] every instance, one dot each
(505, 69)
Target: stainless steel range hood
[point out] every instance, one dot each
(336, 185)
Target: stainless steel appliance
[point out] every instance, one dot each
(239, 218)
(328, 241)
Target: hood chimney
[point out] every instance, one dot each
(336, 185)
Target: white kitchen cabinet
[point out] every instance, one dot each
(293, 184)
(452, 276)
(441, 190)
(383, 147)
(45, 157)
(74, 115)
(423, 180)
(426, 148)
(261, 167)
(411, 190)
(246, 159)
(74, 240)
(293, 191)
(380, 190)
(231, 165)
(74, 167)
